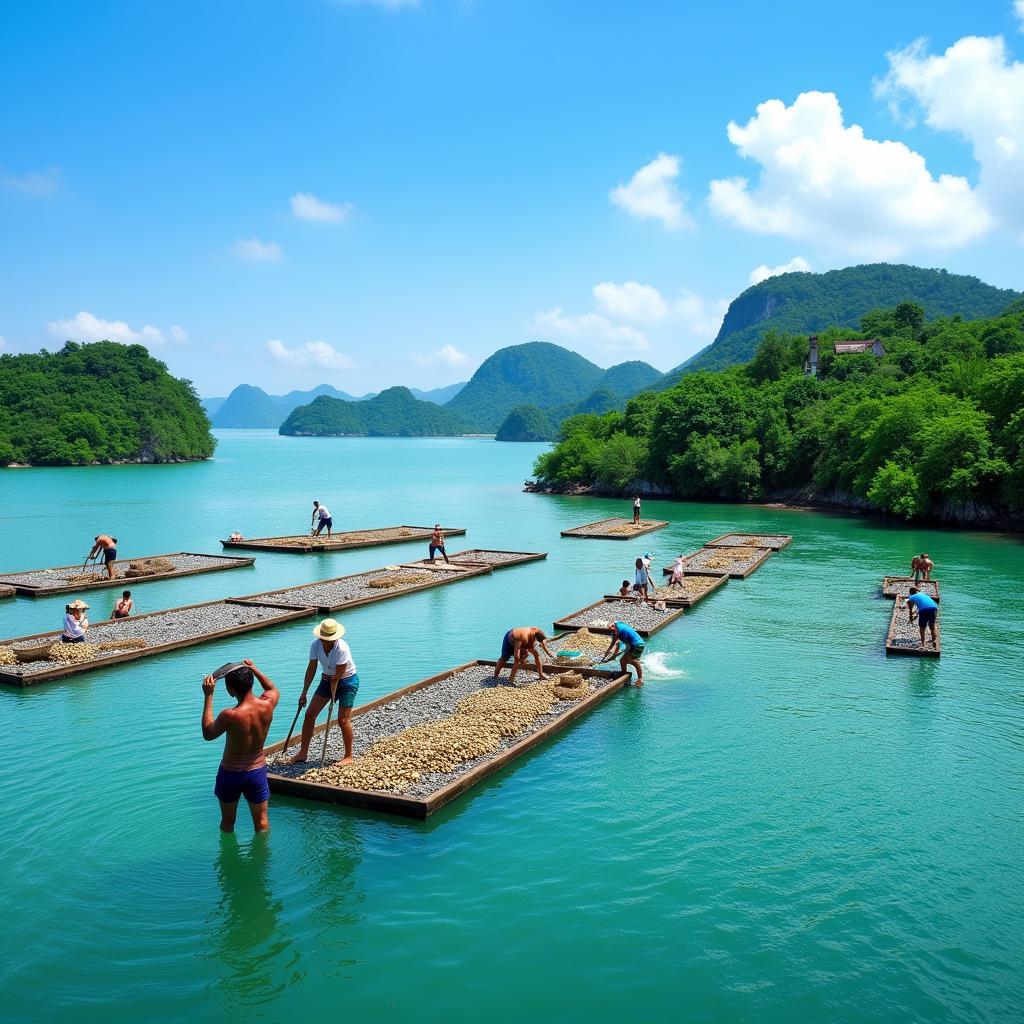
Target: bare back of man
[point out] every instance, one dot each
(519, 644)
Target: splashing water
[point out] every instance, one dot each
(657, 667)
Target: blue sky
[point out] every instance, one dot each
(374, 193)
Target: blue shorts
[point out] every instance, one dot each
(926, 617)
(328, 522)
(109, 554)
(508, 647)
(346, 690)
(634, 651)
(251, 784)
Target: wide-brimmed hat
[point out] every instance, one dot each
(329, 629)
(78, 604)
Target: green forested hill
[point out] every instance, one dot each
(392, 413)
(805, 302)
(627, 379)
(935, 427)
(102, 402)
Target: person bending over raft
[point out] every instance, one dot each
(124, 607)
(322, 519)
(921, 565)
(634, 649)
(642, 579)
(108, 545)
(243, 766)
(518, 644)
(76, 623)
(437, 543)
(338, 681)
(678, 572)
(927, 610)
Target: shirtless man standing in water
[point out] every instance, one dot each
(243, 768)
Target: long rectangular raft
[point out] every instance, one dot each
(304, 544)
(615, 528)
(598, 616)
(903, 636)
(772, 541)
(381, 718)
(696, 586)
(65, 579)
(162, 631)
(737, 564)
(485, 556)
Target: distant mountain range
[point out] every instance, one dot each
(252, 407)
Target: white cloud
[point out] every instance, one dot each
(652, 193)
(699, 316)
(177, 334)
(85, 327)
(822, 180)
(973, 90)
(446, 355)
(316, 354)
(255, 251)
(763, 272)
(306, 206)
(3, 343)
(1018, 9)
(630, 301)
(34, 183)
(589, 327)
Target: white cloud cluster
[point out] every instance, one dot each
(653, 193)
(39, 184)
(316, 354)
(824, 181)
(763, 272)
(590, 327)
(306, 206)
(446, 355)
(975, 91)
(86, 327)
(253, 250)
(637, 303)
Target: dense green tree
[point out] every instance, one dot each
(526, 423)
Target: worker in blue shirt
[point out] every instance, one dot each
(633, 643)
(926, 610)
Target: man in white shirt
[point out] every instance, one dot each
(322, 517)
(76, 623)
(636, 510)
(338, 681)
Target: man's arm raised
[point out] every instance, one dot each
(270, 691)
(212, 727)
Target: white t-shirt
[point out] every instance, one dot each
(73, 627)
(339, 654)
(636, 503)
(323, 513)
(641, 577)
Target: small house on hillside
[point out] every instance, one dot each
(843, 348)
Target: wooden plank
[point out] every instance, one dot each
(273, 596)
(664, 594)
(741, 570)
(566, 623)
(118, 657)
(647, 526)
(101, 581)
(422, 807)
(897, 641)
(772, 541)
(338, 542)
(898, 586)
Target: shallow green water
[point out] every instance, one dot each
(783, 825)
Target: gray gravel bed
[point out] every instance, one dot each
(605, 525)
(430, 704)
(893, 586)
(336, 592)
(702, 561)
(907, 634)
(59, 575)
(346, 537)
(161, 628)
(762, 540)
(487, 557)
(633, 613)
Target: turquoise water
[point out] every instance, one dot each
(783, 825)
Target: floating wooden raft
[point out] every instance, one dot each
(421, 807)
(349, 539)
(6, 591)
(602, 529)
(905, 637)
(698, 586)
(644, 619)
(144, 627)
(43, 582)
(345, 592)
(717, 562)
(899, 586)
(772, 541)
(486, 556)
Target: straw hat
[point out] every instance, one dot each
(79, 604)
(329, 629)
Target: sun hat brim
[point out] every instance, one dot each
(329, 634)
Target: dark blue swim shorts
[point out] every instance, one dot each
(251, 784)
(345, 691)
(508, 647)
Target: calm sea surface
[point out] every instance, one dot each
(783, 825)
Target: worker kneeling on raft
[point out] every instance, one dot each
(518, 644)
(633, 643)
(338, 681)
(243, 766)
